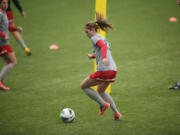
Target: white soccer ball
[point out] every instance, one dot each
(67, 115)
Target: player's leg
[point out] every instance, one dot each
(10, 62)
(16, 34)
(21, 42)
(88, 82)
(101, 90)
(86, 85)
(10, 58)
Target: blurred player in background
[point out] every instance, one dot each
(11, 22)
(178, 2)
(106, 67)
(6, 51)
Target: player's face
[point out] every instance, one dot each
(89, 33)
(4, 5)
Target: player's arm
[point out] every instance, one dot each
(13, 28)
(3, 35)
(91, 56)
(103, 47)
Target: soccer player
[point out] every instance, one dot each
(6, 51)
(106, 67)
(16, 34)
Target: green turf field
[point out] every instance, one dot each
(145, 46)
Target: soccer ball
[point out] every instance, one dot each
(67, 115)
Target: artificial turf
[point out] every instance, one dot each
(144, 44)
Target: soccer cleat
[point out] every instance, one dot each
(27, 51)
(175, 87)
(3, 87)
(117, 116)
(104, 108)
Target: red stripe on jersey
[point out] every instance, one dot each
(2, 34)
(103, 47)
(12, 28)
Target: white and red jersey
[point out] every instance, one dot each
(4, 29)
(101, 49)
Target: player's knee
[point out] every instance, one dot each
(82, 86)
(14, 63)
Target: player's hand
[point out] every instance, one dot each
(20, 29)
(91, 56)
(23, 14)
(105, 62)
(6, 38)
